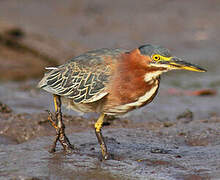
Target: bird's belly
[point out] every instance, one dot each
(141, 101)
(82, 107)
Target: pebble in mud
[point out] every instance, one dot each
(187, 115)
(4, 108)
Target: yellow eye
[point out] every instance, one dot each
(156, 57)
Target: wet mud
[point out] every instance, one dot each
(176, 137)
(150, 150)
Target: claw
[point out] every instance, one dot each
(57, 123)
(60, 134)
(51, 119)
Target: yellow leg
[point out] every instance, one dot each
(99, 122)
(98, 127)
(55, 101)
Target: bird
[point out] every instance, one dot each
(108, 81)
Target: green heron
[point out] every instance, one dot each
(109, 82)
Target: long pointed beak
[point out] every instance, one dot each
(180, 64)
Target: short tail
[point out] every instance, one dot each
(43, 82)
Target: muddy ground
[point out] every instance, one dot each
(186, 149)
(177, 136)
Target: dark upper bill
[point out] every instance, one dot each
(180, 64)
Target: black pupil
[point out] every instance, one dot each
(156, 57)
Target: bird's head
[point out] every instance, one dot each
(161, 57)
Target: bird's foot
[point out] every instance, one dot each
(105, 154)
(56, 122)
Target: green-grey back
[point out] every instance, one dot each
(82, 78)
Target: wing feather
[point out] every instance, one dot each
(84, 78)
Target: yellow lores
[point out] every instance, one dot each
(174, 61)
(108, 82)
